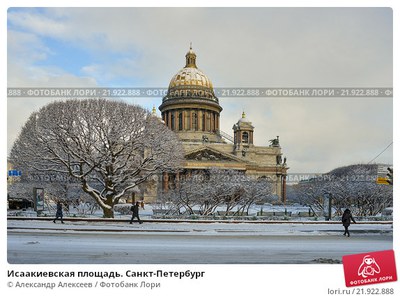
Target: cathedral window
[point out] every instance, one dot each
(173, 121)
(180, 121)
(245, 137)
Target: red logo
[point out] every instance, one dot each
(369, 268)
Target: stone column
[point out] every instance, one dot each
(212, 122)
(190, 119)
(200, 120)
(284, 189)
(176, 124)
(177, 180)
(165, 181)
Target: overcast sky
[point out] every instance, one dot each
(241, 47)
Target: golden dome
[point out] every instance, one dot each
(190, 82)
(190, 76)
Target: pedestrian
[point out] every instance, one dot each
(135, 212)
(59, 213)
(346, 219)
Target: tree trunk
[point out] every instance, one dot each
(108, 213)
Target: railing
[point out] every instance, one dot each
(225, 136)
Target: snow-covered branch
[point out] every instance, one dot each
(110, 146)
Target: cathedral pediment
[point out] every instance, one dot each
(211, 154)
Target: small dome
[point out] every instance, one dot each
(243, 119)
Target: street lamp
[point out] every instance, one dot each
(328, 205)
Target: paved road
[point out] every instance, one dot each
(182, 247)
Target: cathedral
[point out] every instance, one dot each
(191, 109)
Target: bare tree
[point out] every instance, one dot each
(255, 190)
(210, 189)
(309, 193)
(110, 147)
(354, 186)
(351, 186)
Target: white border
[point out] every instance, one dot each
(229, 281)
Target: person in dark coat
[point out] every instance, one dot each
(135, 213)
(346, 219)
(59, 213)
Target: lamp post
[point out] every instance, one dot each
(328, 205)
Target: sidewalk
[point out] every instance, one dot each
(194, 227)
(229, 221)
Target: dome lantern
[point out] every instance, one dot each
(191, 58)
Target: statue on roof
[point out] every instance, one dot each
(274, 142)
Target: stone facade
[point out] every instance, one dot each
(192, 110)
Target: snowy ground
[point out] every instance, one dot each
(189, 243)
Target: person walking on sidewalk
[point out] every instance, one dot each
(346, 217)
(135, 213)
(59, 213)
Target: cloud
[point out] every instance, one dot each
(37, 23)
(318, 134)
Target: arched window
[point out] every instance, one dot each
(245, 137)
(180, 121)
(173, 121)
